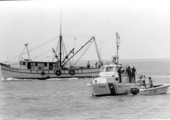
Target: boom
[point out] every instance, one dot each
(77, 51)
(98, 54)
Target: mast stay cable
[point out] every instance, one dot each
(31, 49)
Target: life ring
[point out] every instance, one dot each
(58, 72)
(72, 72)
(42, 73)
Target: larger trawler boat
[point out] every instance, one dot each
(30, 69)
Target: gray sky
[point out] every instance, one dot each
(143, 26)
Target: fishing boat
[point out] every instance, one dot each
(61, 68)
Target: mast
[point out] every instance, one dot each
(26, 45)
(60, 54)
(60, 43)
(117, 46)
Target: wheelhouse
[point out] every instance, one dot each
(109, 68)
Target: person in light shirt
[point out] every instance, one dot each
(150, 82)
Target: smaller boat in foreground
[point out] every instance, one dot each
(149, 88)
(155, 90)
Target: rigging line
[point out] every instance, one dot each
(32, 49)
(74, 47)
(15, 56)
(43, 44)
(83, 53)
(57, 46)
(77, 36)
(21, 53)
(74, 42)
(65, 51)
(16, 63)
(48, 56)
(43, 53)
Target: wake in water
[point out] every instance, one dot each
(14, 79)
(61, 79)
(51, 79)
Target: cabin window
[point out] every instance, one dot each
(51, 64)
(36, 64)
(102, 69)
(23, 63)
(50, 68)
(109, 69)
(29, 65)
(45, 64)
(39, 68)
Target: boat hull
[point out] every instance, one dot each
(102, 89)
(10, 72)
(160, 89)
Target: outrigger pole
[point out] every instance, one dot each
(78, 50)
(93, 38)
(98, 54)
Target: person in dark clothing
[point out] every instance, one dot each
(144, 83)
(133, 74)
(119, 73)
(88, 64)
(129, 73)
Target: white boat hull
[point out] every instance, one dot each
(101, 89)
(161, 89)
(10, 72)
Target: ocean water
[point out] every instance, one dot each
(71, 99)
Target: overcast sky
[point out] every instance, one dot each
(143, 26)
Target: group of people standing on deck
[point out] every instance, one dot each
(131, 72)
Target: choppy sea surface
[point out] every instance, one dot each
(71, 99)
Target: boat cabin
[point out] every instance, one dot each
(109, 73)
(36, 65)
(109, 70)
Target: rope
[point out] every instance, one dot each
(30, 49)
(43, 44)
(21, 53)
(43, 53)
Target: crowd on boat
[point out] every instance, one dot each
(143, 83)
(132, 73)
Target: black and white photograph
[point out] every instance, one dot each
(84, 59)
